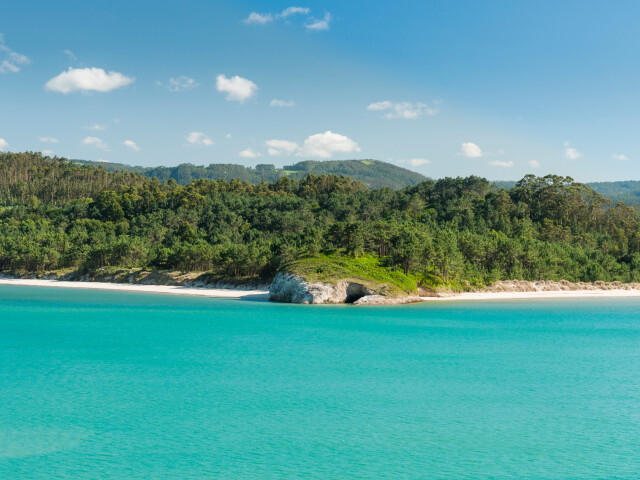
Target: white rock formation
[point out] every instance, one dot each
(290, 288)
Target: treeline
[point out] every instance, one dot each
(454, 231)
(31, 177)
(373, 173)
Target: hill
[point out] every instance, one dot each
(373, 173)
(627, 191)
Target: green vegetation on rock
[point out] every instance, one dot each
(368, 271)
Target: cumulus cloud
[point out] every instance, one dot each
(471, 150)
(534, 163)
(571, 153)
(132, 145)
(48, 139)
(281, 147)
(199, 138)
(620, 157)
(48, 153)
(324, 145)
(249, 153)
(501, 163)
(405, 110)
(95, 127)
(12, 61)
(90, 79)
(255, 18)
(3, 145)
(95, 142)
(238, 89)
(181, 83)
(287, 12)
(317, 25)
(416, 162)
(282, 103)
(227, 136)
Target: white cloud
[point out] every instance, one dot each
(281, 147)
(238, 89)
(102, 160)
(227, 136)
(471, 150)
(48, 153)
(87, 80)
(3, 145)
(181, 83)
(620, 157)
(95, 142)
(571, 153)
(255, 18)
(132, 145)
(318, 25)
(282, 103)
(48, 139)
(70, 54)
(8, 67)
(324, 145)
(199, 138)
(249, 153)
(287, 12)
(95, 126)
(12, 61)
(405, 110)
(416, 162)
(534, 163)
(501, 163)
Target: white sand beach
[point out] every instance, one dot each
(175, 290)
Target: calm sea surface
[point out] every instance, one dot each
(125, 385)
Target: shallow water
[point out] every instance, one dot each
(98, 384)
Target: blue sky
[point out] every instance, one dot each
(446, 88)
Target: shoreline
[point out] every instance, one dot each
(263, 295)
(547, 294)
(236, 293)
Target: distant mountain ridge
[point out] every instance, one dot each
(373, 173)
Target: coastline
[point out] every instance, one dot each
(236, 293)
(257, 294)
(549, 294)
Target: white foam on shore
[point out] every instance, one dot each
(166, 289)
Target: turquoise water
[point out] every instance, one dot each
(125, 385)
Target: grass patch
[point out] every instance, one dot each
(366, 271)
(366, 162)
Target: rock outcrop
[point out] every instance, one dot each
(291, 288)
(382, 300)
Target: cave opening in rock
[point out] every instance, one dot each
(355, 291)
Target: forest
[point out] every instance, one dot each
(373, 173)
(459, 232)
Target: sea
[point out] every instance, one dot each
(123, 385)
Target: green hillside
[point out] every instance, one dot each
(373, 173)
(627, 191)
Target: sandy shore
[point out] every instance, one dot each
(175, 290)
(534, 295)
(264, 294)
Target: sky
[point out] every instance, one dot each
(496, 88)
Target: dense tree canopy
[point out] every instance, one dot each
(455, 231)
